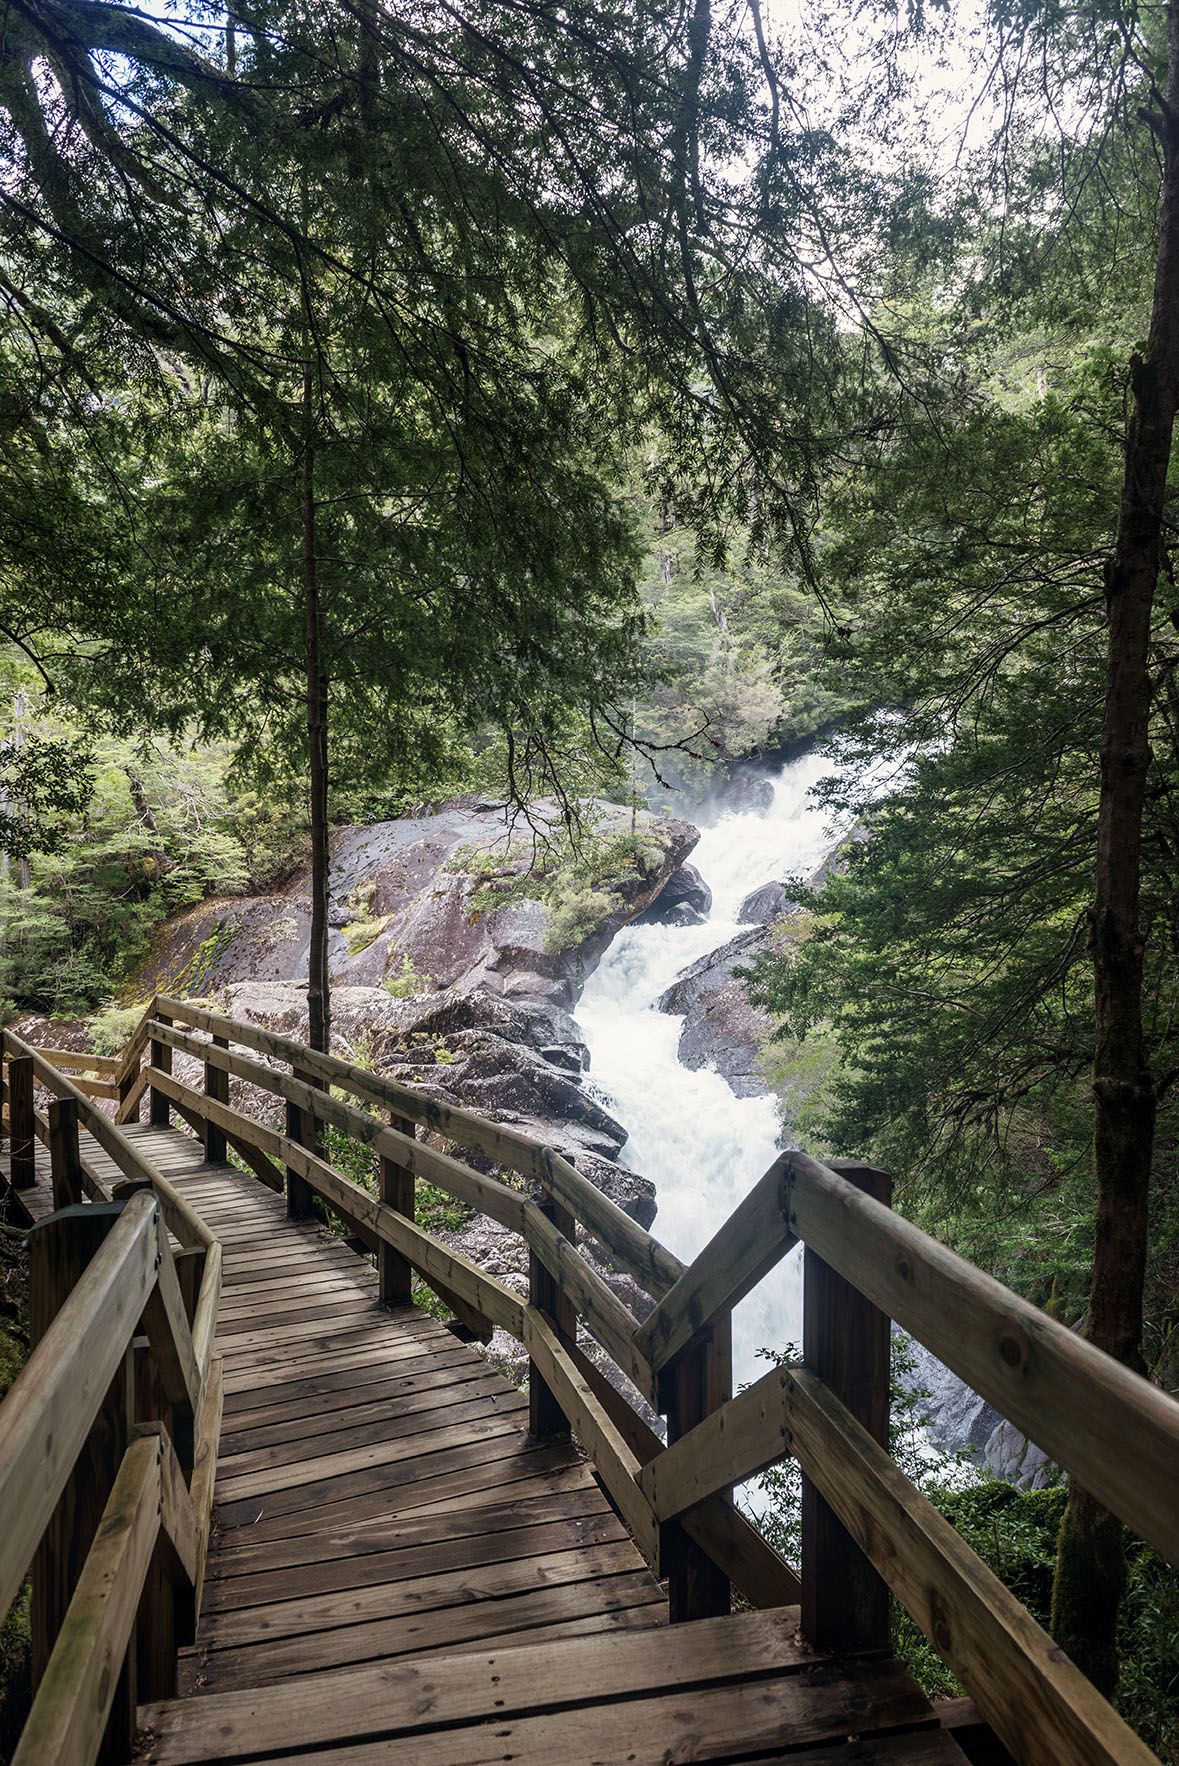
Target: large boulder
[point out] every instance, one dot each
(415, 906)
(722, 1028)
(763, 905)
(684, 900)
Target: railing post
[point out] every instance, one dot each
(396, 1186)
(546, 1420)
(699, 1382)
(60, 1249)
(217, 1088)
(159, 1114)
(22, 1156)
(846, 1341)
(65, 1160)
(301, 1130)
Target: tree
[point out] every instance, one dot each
(493, 211)
(954, 955)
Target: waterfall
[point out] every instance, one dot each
(702, 1146)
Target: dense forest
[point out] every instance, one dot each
(575, 410)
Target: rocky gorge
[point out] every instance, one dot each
(460, 953)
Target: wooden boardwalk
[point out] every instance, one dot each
(397, 1566)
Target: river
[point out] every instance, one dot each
(702, 1146)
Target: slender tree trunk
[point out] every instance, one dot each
(1090, 1570)
(318, 986)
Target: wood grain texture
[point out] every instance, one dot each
(1039, 1704)
(1118, 1434)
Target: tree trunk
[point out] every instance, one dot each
(1090, 1570)
(318, 987)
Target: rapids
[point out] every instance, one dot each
(703, 1147)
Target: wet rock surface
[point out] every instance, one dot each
(722, 1028)
(684, 900)
(409, 905)
(958, 1420)
(763, 905)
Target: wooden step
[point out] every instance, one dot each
(719, 1689)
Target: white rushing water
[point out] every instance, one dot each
(703, 1147)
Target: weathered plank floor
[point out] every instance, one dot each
(399, 1570)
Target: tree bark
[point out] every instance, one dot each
(318, 986)
(1090, 1571)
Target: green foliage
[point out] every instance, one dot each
(576, 868)
(406, 981)
(156, 829)
(110, 1030)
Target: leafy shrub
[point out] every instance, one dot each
(406, 981)
(110, 1029)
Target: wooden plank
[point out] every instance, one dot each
(396, 1187)
(752, 1241)
(166, 1323)
(494, 1199)
(430, 1479)
(614, 1461)
(274, 1380)
(443, 1629)
(319, 1396)
(649, 1262)
(925, 1747)
(78, 1060)
(490, 1298)
(204, 1472)
(546, 1420)
(178, 1521)
(755, 1569)
(263, 1601)
(846, 1343)
(60, 1250)
(319, 1613)
(708, 1722)
(411, 1697)
(204, 1324)
(402, 1158)
(602, 1311)
(74, 1698)
(283, 1486)
(22, 1154)
(161, 1061)
(183, 1223)
(423, 1531)
(216, 1087)
(1037, 1702)
(50, 1407)
(700, 1382)
(1113, 1430)
(438, 1410)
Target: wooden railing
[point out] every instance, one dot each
(866, 1530)
(109, 1434)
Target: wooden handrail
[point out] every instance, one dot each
(182, 1220)
(1113, 1430)
(53, 1401)
(604, 1313)
(1109, 1427)
(643, 1257)
(78, 1060)
(102, 1273)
